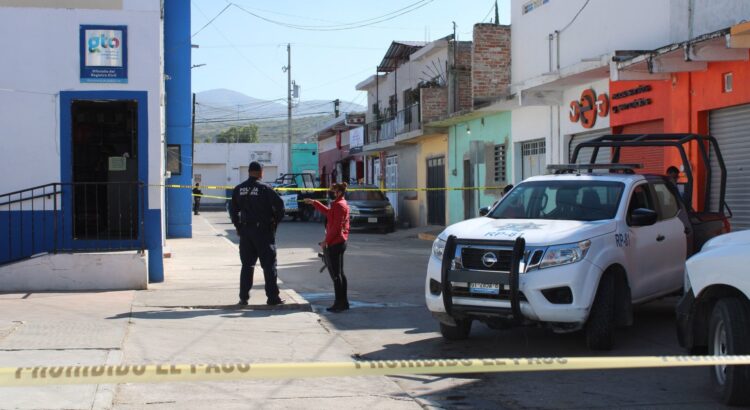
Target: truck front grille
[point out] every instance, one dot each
(478, 259)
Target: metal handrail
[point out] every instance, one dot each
(49, 218)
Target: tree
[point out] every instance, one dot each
(247, 133)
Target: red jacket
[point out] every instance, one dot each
(337, 226)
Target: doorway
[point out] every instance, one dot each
(105, 176)
(469, 205)
(436, 198)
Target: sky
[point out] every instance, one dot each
(244, 53)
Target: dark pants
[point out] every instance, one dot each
(335, 255)
(196, 205)
(254, 245)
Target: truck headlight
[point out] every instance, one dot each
(353, 210)
(438, 247)
(565, 254)
(389, 210)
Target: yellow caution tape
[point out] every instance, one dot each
(283, 189)
(161, 373)
(227, 198)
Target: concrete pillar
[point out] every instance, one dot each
(177, 62)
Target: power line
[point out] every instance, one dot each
(258, 118)
(574, 17)
(351, 23)
(249, 62)
(347, 26)
(488, 13)
(211, 21)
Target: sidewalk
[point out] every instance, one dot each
(190, 318)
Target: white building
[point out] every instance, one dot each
(83, 126)
(227, 164)
(561, 49)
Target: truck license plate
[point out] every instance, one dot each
(484, 288)
(372, 220)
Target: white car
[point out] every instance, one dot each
(714, 313)
(570, 251)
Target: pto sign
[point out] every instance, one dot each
(588, 108)
(104, 54)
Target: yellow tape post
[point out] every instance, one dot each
(162, 373)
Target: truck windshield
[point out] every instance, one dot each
(561, 200)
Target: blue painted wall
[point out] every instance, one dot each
(178, 113)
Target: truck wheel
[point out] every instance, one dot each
(459, 332)
(729, 334)
(600, 328)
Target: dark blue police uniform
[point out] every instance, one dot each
(256, 209)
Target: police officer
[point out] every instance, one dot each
(256, 209)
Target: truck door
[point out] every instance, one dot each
(674, 242)
(641, 244)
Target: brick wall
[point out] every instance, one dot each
(433, 102)
(463, 75)
(490, 63)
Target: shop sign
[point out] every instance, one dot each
(103, 54)
(636, 103)
(356, 139)
(355, 119)
(588, 108)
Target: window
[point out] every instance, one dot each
(667, 201)
(728, 82)
(641, 199)
(532, 5)
(174, 159)
(561, 200)
(499, 158)
(365, 196)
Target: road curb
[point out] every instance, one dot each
(427, 236)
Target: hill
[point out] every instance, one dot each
(219, 109)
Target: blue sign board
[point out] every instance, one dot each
(104, 54)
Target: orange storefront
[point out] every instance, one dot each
(684, 102)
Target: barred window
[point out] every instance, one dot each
(500, 162)
(534, 148)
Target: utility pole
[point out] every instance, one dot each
(288, 70)
(192, 133)
(497, 15)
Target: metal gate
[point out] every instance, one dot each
(533, 158)
(604, 156)
(391, 181)
(436, 199)
(731, 127)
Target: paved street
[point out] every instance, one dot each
(389, 321)
(191, 318)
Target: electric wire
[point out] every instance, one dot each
(350, 26)
(211, 21)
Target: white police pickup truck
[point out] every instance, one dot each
(574, 250)
(714, 313)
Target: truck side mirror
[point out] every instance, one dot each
(643, 217)
(483, 211)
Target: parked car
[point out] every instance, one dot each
(572, 251)
(293, 205)
(369, 208)
(714, 313)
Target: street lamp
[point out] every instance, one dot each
(197, 65)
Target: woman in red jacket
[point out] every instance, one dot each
(334, 245)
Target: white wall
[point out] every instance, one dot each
(708, 16)
(229, 159)
(42, 59)
(77, 272)
(602, 27)
(408, 76)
